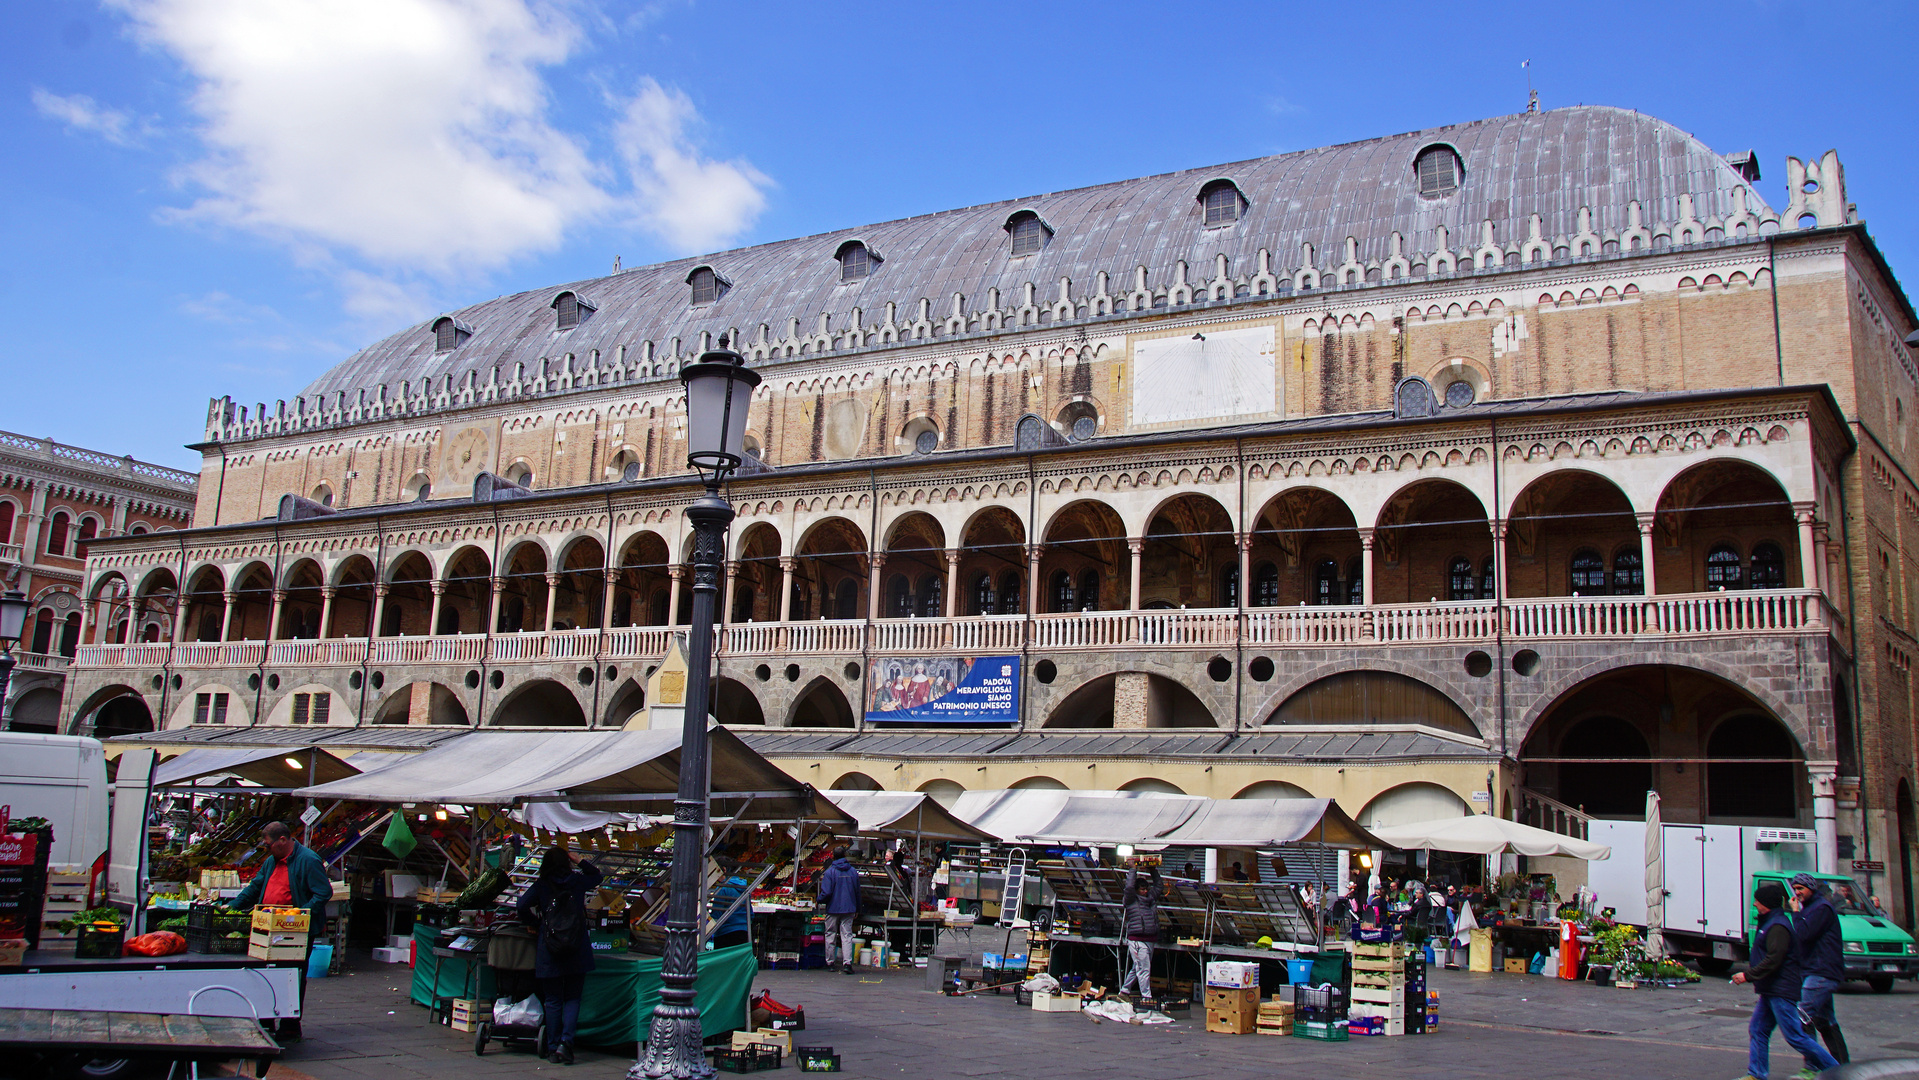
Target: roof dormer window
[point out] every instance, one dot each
(449, 334)
(1439, 171)
(1029, 233)
(708, 286)
(1222, 201)
(856, 260)
(570, 310)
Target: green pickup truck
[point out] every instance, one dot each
(1876, 949)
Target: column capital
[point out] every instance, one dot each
(1244, 541)
(1646, 523)
(953, 556)
(676, 571)
(1824, 776)
(380, 588)
(439, 587)
(230, 596)
(1366, 539)
(499, 585)
(1803, 512)
(612, 574)
(875, 560)
(1136, 544)
(279, 596)
(326, 592)
(1498, 527)
(789, 563)
(732, 568)
(1034, 551)
(552, 579)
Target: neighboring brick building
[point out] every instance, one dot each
(55, 501)
(1535, 460)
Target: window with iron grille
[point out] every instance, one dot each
(1439, 172)
(1588, 573)
(302, 706)
(1723, 569)
(1628, 573)
(707, 286)
(568, 307)
(855, 261)
(1029, 234)
(1222, 203)
(1768, 566)
(1460, 583)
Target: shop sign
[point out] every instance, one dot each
(18, 850)
(1868, 866)
(944, 689)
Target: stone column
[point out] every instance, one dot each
(677, 572)
(226, 617)
(606, 598)
(273, 615)
(875, 560)
(1808, 560)
(433, 613)
(552, 595)
(723, 602)
(952, 581)
(788, 564)
(1646, 548)
(326, 611)
(380, 589)
(86, 620)
(1134, 546)
(1033, 553)
(493, 608)
(1824, 775)
(180, 610)
(1366, 567)
(1498, 526)
(1245, 569)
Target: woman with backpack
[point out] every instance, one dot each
(555, 905)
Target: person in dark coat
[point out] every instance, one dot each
(557, 898)
(839, 894)
(1141, 913)
(292, 876)
(1775, 977)
(738, 927)
(1822, 961)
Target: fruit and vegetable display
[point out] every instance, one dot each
(94, 917)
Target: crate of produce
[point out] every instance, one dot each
(1321, 1003)
(746, 1059)
(816, 1059)
(282, 919)
(276, 945)
(99, 941)
(12, 951)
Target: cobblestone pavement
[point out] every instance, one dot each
(362, 1025)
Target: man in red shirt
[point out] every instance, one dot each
(292, 876)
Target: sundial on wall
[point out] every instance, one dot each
(1203, 376)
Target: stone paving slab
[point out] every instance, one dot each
(362, 1025)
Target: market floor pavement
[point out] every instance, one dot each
(362, 1026)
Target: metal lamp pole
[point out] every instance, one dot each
(13, 623)
(718, 390)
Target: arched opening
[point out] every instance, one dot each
(1725, 525)
(109, 609)
(580, 590)
(206, 604)
(856, 781)
(353, 596)
(822, 705)
(422, 703)
(1152, 785)
(1606, 787)
(57, 528)
(627, 701)
(1302, 539)
(992, 547)
(409, 599)
(1564, 530)
(36, 710)
(915, 566)
(829, 569)
(540, 703)
(1133, 700)
(252, 603)
(1408, 804)
(127, 715)
(1430, 537)
(1084, 538)
(944, 792)
(1273, 789)
(1189, 557)
(1372, 699)
(641, 593)
(1752, 788)
(1038, 783)
(734, 703)
(301, 602)
(756, 583)
(523, 601)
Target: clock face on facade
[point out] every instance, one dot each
(469, 451)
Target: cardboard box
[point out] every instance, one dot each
(1516, 966)
(392, 956)
(12, 951)
(1232, 973)
(1230, 1023)
(401, 886)
(1044, 1001)
(282, 918)
(781, 1040)
(458, 1024)
(1232, 998)
(268, 945)
(471, 1009)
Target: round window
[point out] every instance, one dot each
(1459, 394)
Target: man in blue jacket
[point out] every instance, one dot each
(840, 895)
(1775, 977)
(292, 876)
(1822, 960)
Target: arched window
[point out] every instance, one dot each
(932, 597)
(448, 334)
(902, 596)
(1009, 593)
(1628, 572)
(1326, 582)
(1768, 566)
(70, 635)
(1266, 585)
(570, 310)
(1588, 573)
(1089, 590)
(1355, 583)
(1229, 585)
(6, 522)
(1062, 591)
(1460, 583)
(707, 286)
(42, 631)
(1486, 590)
(1222, 201)
(856, 261)
(56, 538)
(1438, 171)
(1029, 233)
(1723, 570)
(90, 528)
(744, 596)
(846, 600)
(984, 602)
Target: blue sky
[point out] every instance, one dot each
(205, 197)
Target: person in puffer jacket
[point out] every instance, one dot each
(840, 895)
(1141, 929)
(1775, 978)
(1822, 960)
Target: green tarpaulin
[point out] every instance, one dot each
(620, 992)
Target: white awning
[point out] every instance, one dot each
(906, 813)
(1258, 823)
(270, 767)
(1116, 821)
(1487, 835)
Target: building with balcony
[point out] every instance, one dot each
(1524, 464)
(55, 502)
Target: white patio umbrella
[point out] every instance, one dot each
(1487, 835)
(1655, 879)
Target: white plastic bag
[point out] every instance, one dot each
(526, 1013)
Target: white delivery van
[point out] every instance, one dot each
(1708, 874)
(62, 778)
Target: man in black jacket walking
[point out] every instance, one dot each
(1775, 977)
(1822, 960)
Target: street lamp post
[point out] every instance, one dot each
(718, 390)
(13, 623)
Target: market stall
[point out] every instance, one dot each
(894, 893)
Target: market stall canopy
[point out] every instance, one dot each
(906, 813)
(1258, 823)
(1487, 835)
(270, 767)
(1013, 812)
(1116, 821)
(600, 770)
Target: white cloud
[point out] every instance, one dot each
(415, 135)
(383, 301)
(81, 113)
(690, 202)
(220, 307)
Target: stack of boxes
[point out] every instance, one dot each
(1379, 989)
(1432, 1011)
(469, 1014)
(1039, 950)
(1416, 1004)
(1232, 997)
(279, 933)
(1276, 1016)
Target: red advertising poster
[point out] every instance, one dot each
(18, 850)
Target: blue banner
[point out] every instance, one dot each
(944, 689)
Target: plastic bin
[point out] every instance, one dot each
(1299, 970)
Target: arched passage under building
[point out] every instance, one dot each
(540, 703)
(36, 710)
(944, 792)
(734, 703)
(421, 703)
(856, 781)
(821, 704)
(1131, 700)
(627, 699)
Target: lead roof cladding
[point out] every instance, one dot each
(1548, 163)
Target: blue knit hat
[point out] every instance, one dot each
(1806, 880)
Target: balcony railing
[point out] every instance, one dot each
(1692, 615)
(39, 661)
(12, 553)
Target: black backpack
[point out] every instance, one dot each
(562, 923)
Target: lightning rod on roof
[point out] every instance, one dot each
(1532, 96)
